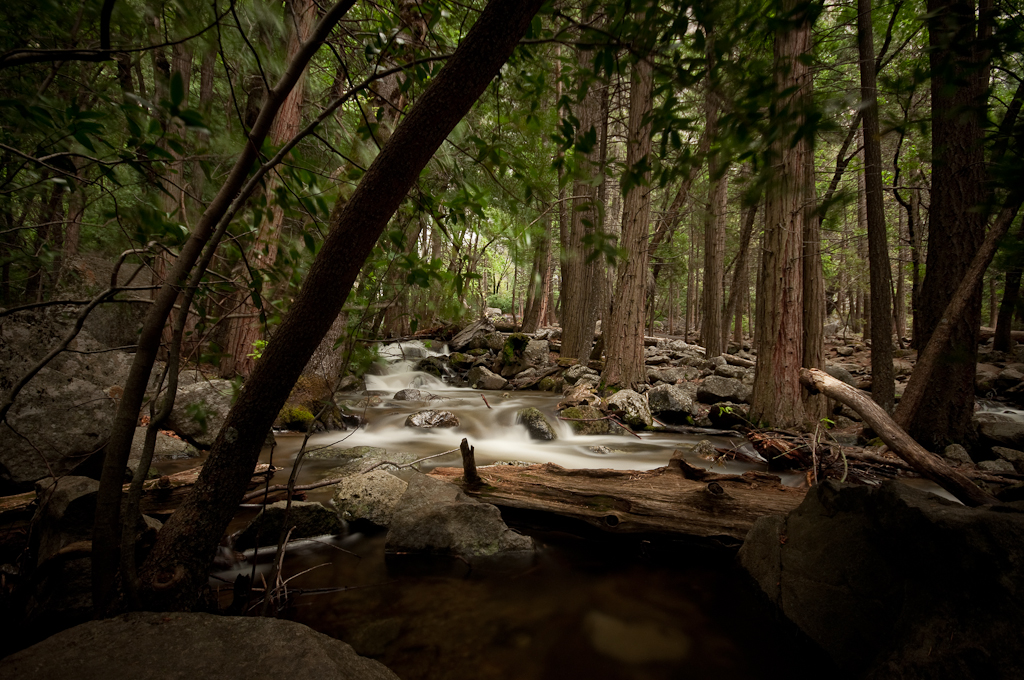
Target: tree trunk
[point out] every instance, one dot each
(957, 221)
(579, 293)
(777, 398)
(175, 573)
(882, 381)
(815, 405)
(538, 289)
(624, 332)
(712, 330)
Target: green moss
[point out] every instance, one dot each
(296, 418)
(514, 346)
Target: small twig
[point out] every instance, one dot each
(485, 401)
(624, 427)
(408, 465)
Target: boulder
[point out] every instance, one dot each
(437, 517)
(845, 351)
(200, 410)
(587, 420)
(727, 371)
(1008, 378)
(344, 452)
(411, 394)
(672, 404)
(469, 337)
(673, 375)
(308, 518)
(462, 362)
(432, 418)
(480, 378)
(64, 413)
(716, 388)
(895, 582)
(840, 373)
(957, 454)
(996, 466)
(372, 497)
(579, 372)
(351, 383)
(537, 353)
(1012, 456)
(726, 415)
(536, 424)
(631, 408)
(1002, 432)
(167, 448)
(432, 366)
(162, 646)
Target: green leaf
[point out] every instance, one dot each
(310, 243)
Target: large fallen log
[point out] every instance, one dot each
(679, 499)
(922, 460)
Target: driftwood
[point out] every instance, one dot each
(925, 462)
(679, 499)
(160, 496)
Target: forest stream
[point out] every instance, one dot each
(584, 606)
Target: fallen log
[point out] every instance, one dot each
(898, 441)
(678, 499)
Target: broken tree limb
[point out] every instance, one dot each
(925, 462)
(678, 499)
(469, 473)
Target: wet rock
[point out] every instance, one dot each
(888, 580)
(587, 420)
(715, 389)
(957, 454)
(167, 448)
(432, 418)
(200, 410)
(351, 383)
(549, 384)
(372, 497)
(411, 394)
(190, 645)
(462, 362)
(1008, 378)
(437, 517)
(344, 452)
(1013, 456)
(726, 415)
(308, 518)
(480, 378)
(631, 408)
(672, 404)
(432, 366)
(1008, 433)
(705, 450)
(536, 424)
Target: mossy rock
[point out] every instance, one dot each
(548, 384)
(478, 352)
(586, 420)
(515, 344)
(460, 360)
(296, 418)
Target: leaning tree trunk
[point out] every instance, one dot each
(175, 573)
(106, 538)
(777, 399)
(624, 332)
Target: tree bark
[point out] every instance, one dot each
(175, 572)
(624, 332)
(959, 64)
(712, 330)
(882, 380)
(777, 398)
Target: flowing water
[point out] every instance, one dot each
(582, 607)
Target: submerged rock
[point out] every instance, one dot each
(536, 424)
(895, 582)
(190, 645)
(308, 518)
(429, 419)
(437, 517)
